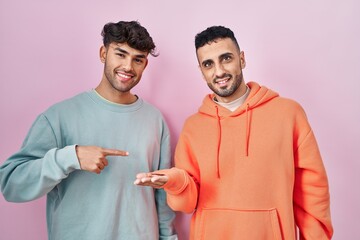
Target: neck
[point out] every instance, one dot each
(236, 95)
(116, 96)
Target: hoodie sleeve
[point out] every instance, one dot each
(183, 185)
(39, 165)
(166, 216)
(311, 189)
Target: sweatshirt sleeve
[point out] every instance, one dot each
(38, 166)
(311, 191)
(166, 216)
(183, 185)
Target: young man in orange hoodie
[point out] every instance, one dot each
(247, 165)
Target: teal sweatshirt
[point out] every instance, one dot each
(85, 205)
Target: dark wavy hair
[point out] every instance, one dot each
(132, 33)
(213, 33)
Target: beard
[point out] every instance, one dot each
(112, 78)
(224, 91)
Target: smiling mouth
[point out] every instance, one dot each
(124, 77)
(223, 81)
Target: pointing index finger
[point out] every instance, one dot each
(114, 152)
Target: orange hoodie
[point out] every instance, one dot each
(252, 174)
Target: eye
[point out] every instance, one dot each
(227, 58)
(139, 60)
(207, 64)
(120, 55)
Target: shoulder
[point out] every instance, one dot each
(292, 112)
(196, 121)
(150, 108)
(68, 105)
(153, 116)
(287, 105)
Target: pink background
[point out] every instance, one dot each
(308, 51)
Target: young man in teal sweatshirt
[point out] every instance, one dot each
(84, 152)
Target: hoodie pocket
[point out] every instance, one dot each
(231, 224)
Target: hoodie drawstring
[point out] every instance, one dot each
(219, 142)
(247, 131)
(247, 137)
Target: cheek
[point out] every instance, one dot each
(237, 68)
(207, 75)
(110, 62)
(139, 70)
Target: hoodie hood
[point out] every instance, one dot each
(258, 95)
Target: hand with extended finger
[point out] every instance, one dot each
(152, 179)
(93, 158)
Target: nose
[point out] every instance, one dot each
(219, 70)
(127, 65)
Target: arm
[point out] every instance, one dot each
(180, 182)
(311, 192)
(39, 165)
(166, 216)
(179, 186)
(183, 184)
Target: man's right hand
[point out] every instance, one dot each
(155, 179)
(93, 158)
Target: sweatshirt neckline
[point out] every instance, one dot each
(114, 107)
(232, 106)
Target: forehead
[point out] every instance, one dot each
(216, 48)
(125, 47)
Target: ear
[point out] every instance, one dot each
(102, 54)
(242, 60)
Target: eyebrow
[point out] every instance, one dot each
(226, 54)
(220, 57)
(127, 53)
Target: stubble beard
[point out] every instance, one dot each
(112, 79)
(227, 92)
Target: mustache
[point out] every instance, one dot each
(129, 72)
(225, 75)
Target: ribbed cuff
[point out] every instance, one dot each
(177, 180)
(68, 158)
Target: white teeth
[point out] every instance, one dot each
(123, 75)
(222, 82)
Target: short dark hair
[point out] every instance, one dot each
(132, 33)
(213, 33)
